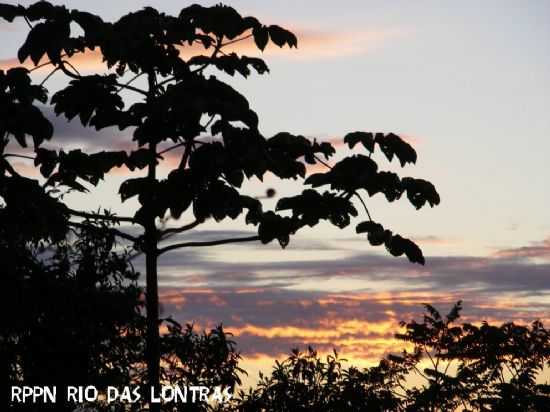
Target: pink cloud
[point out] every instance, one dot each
(312, 45)
(535, 250)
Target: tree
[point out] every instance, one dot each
(70, 315)
(461, 367)
(179, 102)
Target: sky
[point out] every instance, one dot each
(466, 83)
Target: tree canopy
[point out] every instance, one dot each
(448, 367)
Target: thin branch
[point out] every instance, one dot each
(399, 395)
(18, 155)
(131, 80)
(171, 148)
(72, 67)
(28, 22)
(46, 63)
(78, 76)
(211, 243)
(420, 372)
(116, 232)
(67, 72)
(213, 56)
(447, 367)
(236, 40)
(186, 154)
(364, 205)
(172, 231)
(209, 121)
(322, 162)
(48, 76)
(9, 168)
(97, 216)
(132, 88)
(431, 360)
(162, 83)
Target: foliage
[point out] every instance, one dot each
(72, 314)
(149, 43)
(461, 367)
(70, 311)
(178, 104)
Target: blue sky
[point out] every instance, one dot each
(468, 83)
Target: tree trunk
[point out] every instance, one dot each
(151, 292)
(153, 338)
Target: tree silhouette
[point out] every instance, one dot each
(70, 315)
(461, 368)
(178, 103)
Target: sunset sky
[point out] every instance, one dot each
(466, 83)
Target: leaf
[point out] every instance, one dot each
(398, 245)
(366, 139)
(281, 36)
(30, 212)
(310, 207)
(132, 187)
(10, 12)
(93, 98)
(376, 234)
(391, 145)
(47, 160)
(349, 175)
(140, 159)
(261, 36)
(395, 244)
(420, 191)
(273, 226)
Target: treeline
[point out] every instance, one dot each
(72, 314)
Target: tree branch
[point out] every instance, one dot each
(171, 148)
(28, 22)
(186, 154)
(45, 64)
(322, 162)
(211, 243)
(172, 231)
(48, 76)
(78, 76)
(101, 217)
(364, 205)
(236, 40)
(18, 155)
(130, 81)
(116, 232)
(9, 168)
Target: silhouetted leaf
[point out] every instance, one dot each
(392, 144)
(420, 191)
(366, 139)
(9, 12)
(261, 36)
(281, 36)
(310, 207)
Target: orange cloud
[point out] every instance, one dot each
(312, 45)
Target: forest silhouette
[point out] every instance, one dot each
(74, 313)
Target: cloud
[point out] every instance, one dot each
(535, 250)
(272, 301)
(494, 274)
(312, 45)
(360, 325)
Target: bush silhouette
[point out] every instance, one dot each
(461, 366)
